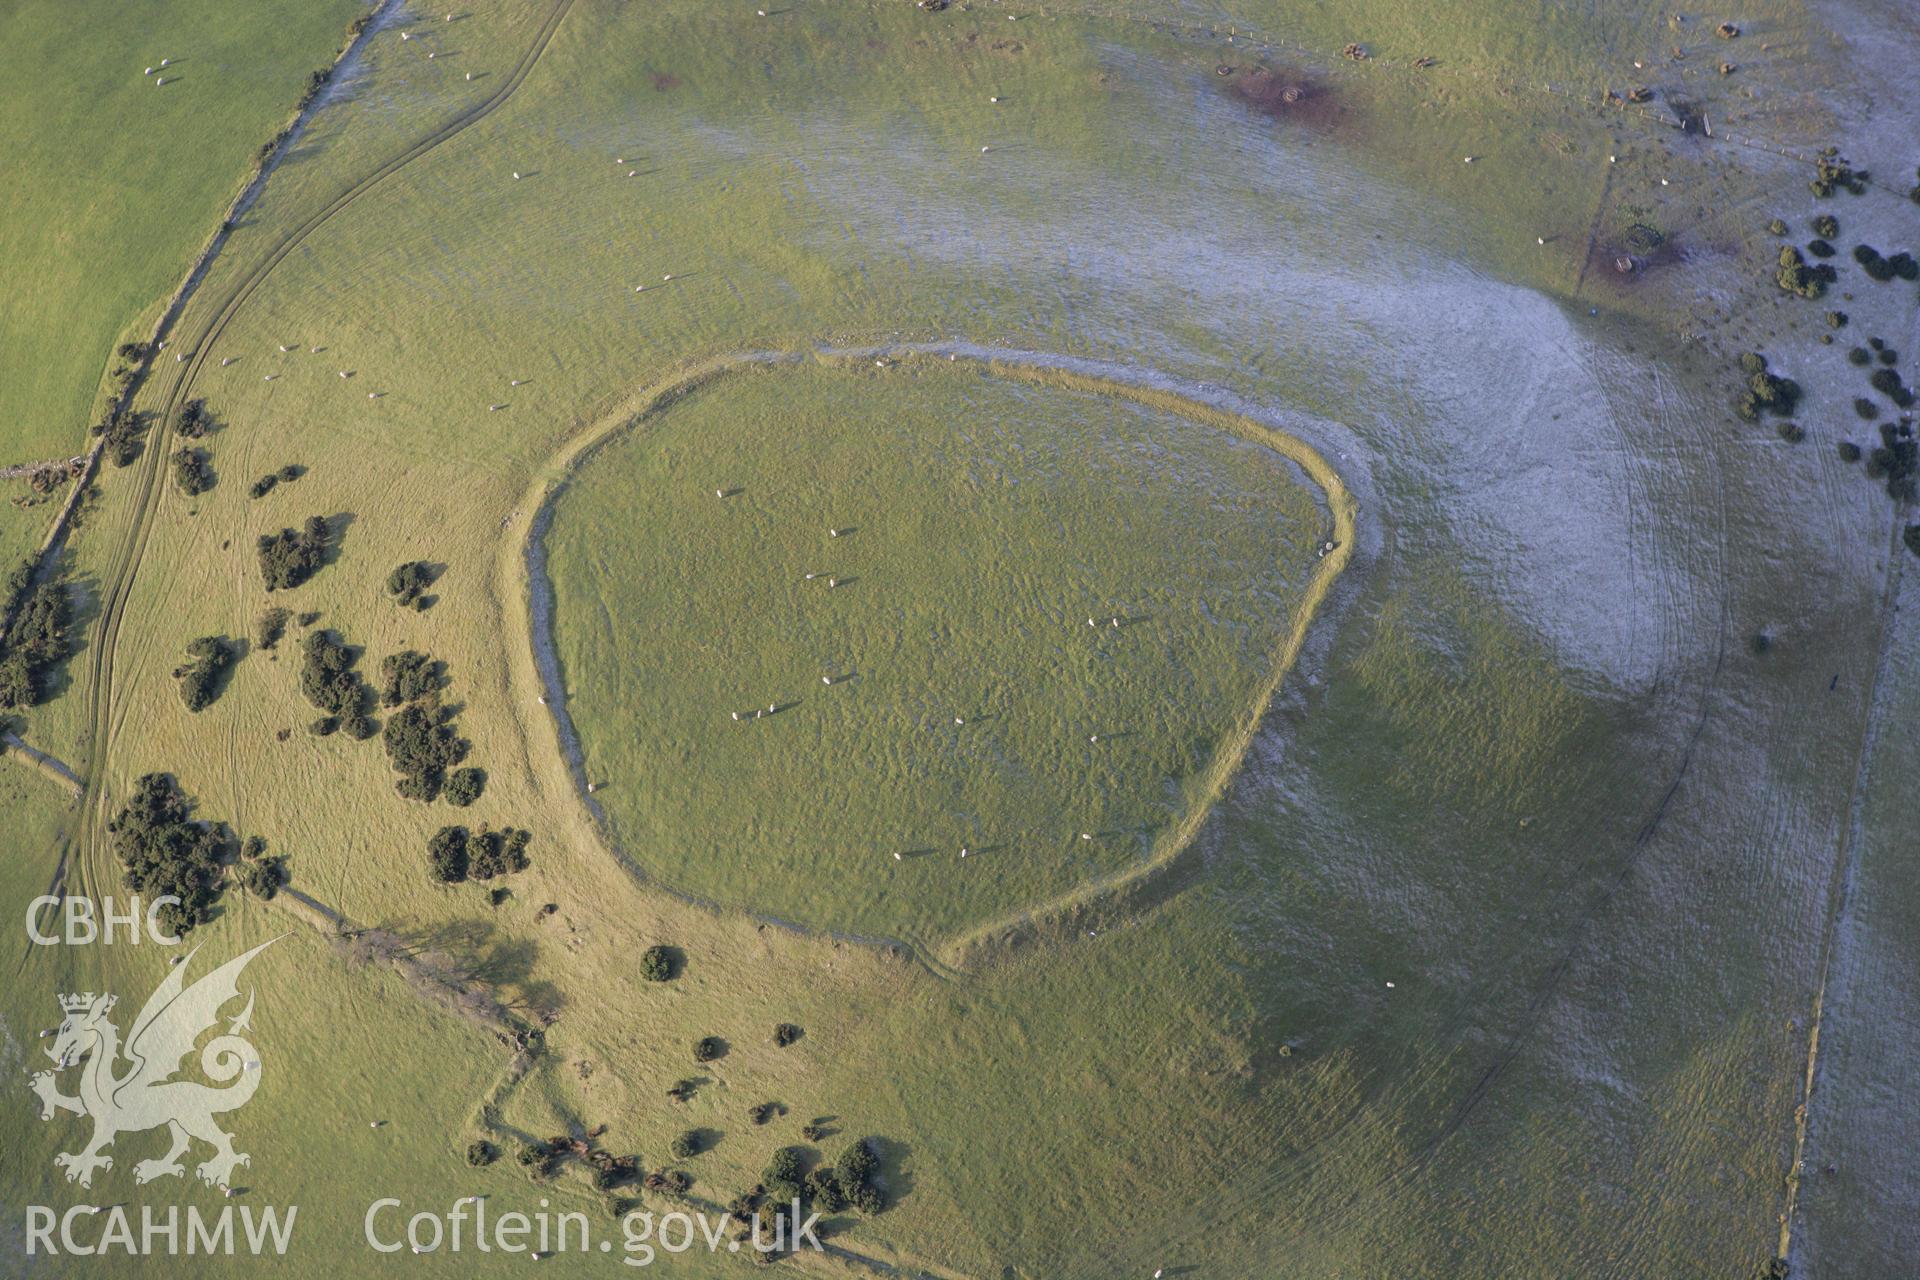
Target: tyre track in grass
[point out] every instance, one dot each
(126, 562)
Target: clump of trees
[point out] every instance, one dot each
(1765, 392)
(261, 874)
(125, 432)
(408, 584)
(480, 1153)
(1832, 172)
(421, 748)
(1901, 265)
(707, 1048)
(289, 558)
(192, 420)
(786, 1033)
(455, 854)
(1795, 276)
(1896, 460)
(200, 679)
(420, 738)
(267, 483)
(1826, 226)
(36, 637)
(163, 851)
(1887, 382)
(330, 683)
(828, 1188)
(193, 471)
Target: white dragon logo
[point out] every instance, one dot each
(143, 1097)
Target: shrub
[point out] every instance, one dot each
(125, 432)
(1832, 172)
(1765, 392)
(407, 584)
(687, 1145)
(1796, 277)
(1866, 408)
(1791, 432)
(263, 486)
(1849, 451)
(464, 786)
(288, 559)
(447, 855)
(1826, 226)
(1860, 355)
(263, 877)
(785, 1166)
(868, 1199)
(421, 747)
(823, 1187)
(708, 1048)
(200, 680)
(1889, 356)
(192, 472)
(324, 726)
(656, 965)
(856, 1164)
(1820, 249)
(1776, 228)
(327, 677)
(480, 1153)
(290, 472)
(1886, 382)
(271, 627)
(496, 853)
(786, 1033)
(410, 675)
(1836, 319)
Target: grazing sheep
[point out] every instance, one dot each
(495, 408)
(896, 858)
(225, 361)
(963, 851)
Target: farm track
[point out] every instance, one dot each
(126, 562)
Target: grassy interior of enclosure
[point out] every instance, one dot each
(114, 184)
(980, 524)
(1221, 1074)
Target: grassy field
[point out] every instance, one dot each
(116, 185)
(981, 523)
(1498, 948)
